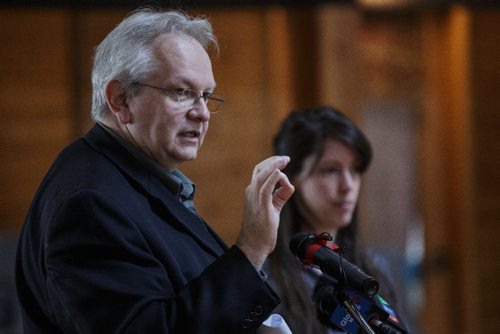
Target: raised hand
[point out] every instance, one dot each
(265, 196)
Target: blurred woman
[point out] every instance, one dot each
(329, 155)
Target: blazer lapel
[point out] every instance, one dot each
(185, 217)
(100, 140)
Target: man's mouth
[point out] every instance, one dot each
(192, 134)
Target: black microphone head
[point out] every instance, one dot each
(299, 243)
(330, 263)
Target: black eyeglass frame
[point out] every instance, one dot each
(216, 98)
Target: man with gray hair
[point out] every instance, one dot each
(112, 242)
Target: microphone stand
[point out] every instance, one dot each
(336, 292)
(339, 290)
(345, 301)
(333, 294)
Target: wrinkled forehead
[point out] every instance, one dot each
(181, 57)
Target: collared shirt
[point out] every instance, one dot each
(178, 183)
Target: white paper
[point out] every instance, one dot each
(275, 324)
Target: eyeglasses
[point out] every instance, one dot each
(187, 97)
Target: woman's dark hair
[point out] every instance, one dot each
(302, 134)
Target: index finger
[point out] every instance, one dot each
(266, 167)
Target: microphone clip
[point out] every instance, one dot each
(322, 239)
(317, 240)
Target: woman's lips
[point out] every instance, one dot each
(346, 205)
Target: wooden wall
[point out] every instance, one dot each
(459, 170)
(45, 87)
(35, 103)
(445, 170)
(485, 159)
(270, 63)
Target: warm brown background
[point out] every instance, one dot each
(422, 82)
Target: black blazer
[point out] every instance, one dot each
(107, 248)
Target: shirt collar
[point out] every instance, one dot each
(178, 183)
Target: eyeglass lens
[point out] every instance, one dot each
(194, 97)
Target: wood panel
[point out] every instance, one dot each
(438, 313)
(338, 65)
(89, 27)
(35, 98)
(485, 64)
(460, 171)
(240, 135)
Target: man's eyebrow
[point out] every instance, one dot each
(189, 83)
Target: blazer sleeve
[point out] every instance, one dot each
(104, 277)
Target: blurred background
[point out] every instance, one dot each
(421, 78)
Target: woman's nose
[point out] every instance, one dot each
(346, 180)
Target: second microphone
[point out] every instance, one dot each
(306, 248)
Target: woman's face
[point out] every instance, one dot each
(327, 192)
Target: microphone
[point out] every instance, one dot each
(377, 312)
(308, 250)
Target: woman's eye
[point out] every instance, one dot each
(328, 170)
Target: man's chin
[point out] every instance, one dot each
(187, 156)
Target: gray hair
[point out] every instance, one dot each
(125, 54)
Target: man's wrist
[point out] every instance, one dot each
(255, 258)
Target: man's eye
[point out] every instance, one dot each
(205, 96)
(182, 92)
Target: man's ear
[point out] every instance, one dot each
(116, 97)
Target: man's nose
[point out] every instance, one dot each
(199, 110)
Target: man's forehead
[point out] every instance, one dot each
(176, 40)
